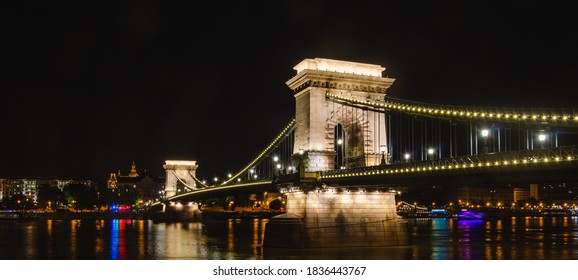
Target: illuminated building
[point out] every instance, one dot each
(135, 188)
(28, 187)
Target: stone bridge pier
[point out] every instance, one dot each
(337, 217)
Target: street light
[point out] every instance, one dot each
(542, 139)
(485, 134)
(406, 156)
(382, 150)
(251, 171)
(430, 152)
(275, 158)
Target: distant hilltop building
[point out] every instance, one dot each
(136, 187)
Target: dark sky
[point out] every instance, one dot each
(89, 86)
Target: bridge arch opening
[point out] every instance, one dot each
(339, 144)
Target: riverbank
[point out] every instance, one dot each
(156, 217)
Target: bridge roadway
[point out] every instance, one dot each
(554, 165)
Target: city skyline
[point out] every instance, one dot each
(94, 88)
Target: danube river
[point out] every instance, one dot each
(520, 238)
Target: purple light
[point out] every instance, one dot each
(470, 215)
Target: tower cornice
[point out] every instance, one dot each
(335, 80)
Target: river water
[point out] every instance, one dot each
(519, 238)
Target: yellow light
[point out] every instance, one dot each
(514, 161)
(557, 158)
(565, 118)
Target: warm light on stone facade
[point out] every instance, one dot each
(316, 116)
(179, 170)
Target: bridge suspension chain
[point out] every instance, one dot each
(285, 134)
(560, 117)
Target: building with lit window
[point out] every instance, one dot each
(27, 188)
(135, 188)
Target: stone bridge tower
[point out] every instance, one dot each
(179, 172)
(329, 135)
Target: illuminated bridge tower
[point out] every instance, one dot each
(331, 135)
(180, 175)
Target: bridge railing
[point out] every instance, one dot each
(559, 154)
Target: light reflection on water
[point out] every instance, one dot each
(526, 238)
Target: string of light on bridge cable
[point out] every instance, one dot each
(465, 112)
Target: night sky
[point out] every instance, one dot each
(88, 87)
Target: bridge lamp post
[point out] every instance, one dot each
(485, 134)
(251, 171)
(406, 157)
(216, 180)
(430, 153)
(542, 139)
(382, 151)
